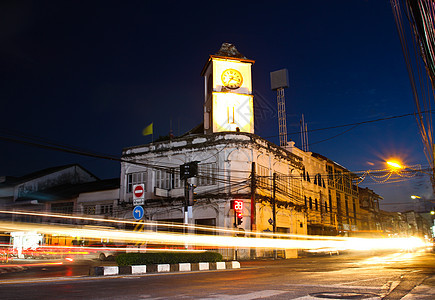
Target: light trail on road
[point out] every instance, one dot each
(180, 239)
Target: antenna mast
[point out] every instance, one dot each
(282, 118)
(279, 81)
(304, 134)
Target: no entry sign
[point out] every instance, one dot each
(138, 191)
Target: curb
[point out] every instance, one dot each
(162, 268)
(9, 269)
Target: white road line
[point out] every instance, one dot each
(248, 296)
(338, 286)
(421, 292)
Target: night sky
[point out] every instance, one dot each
(93, 74)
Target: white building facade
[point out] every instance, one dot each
(226, 164)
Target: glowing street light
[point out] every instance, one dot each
(415, 197)
(394, 164)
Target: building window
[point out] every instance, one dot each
(326, 207)
(305, 197)
(263, 176)
(231, 119)
(207, 174)
(282, 183)
(89, 210)
(163, 179)
(167, 179)
(62, 208)
(330, 175)
(330, 201)
(135, 178)
(338, 207)
(106, 209)
(354, 209)
(311, 203)
(315, 204)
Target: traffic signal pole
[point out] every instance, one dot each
(186, 215)
(274, 211)
(253, 251)
(253, 200)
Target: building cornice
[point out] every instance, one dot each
(203, 141)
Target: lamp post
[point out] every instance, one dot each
(394, 165)
(428, 204)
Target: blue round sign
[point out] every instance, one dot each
(138, 212)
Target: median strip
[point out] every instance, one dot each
(160, 268)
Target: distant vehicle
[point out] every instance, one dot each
(323, 251)
(104, 251)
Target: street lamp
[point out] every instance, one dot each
(395, 165)
(427, 203)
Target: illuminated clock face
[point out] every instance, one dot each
(232, 79)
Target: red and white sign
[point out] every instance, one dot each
(237, 205)
(138, 191)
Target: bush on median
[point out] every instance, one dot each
(129, 259)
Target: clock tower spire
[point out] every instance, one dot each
(228, 104)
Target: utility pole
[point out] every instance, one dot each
(274, 211)
(253, 206)
(253, 200)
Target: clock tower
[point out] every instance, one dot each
(229, 104)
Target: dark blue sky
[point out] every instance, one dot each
(93, 74)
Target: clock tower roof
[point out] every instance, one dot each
(227, 51)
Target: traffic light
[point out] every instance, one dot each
(239, 218)
(191, 194)
(237, 205)
(188, 170)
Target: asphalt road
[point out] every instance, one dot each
(386, 276)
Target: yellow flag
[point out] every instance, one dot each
(148, 130)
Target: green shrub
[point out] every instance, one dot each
(129, 259)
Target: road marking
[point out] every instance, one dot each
(87, 277)
(361, 280)
(388, 287)
(248, 296)
(421, 292)
(338, 286)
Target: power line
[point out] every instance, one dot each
(356, 123)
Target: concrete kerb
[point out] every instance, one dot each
(160, 268)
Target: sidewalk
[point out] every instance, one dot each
(425, 290)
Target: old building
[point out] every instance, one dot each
(284, 189)
(233, 163)
(320, 211)
(68, 189)
(369, 212)
(32, 191)
(343, 195)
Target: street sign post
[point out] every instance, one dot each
(139, 194)
(138, 212)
